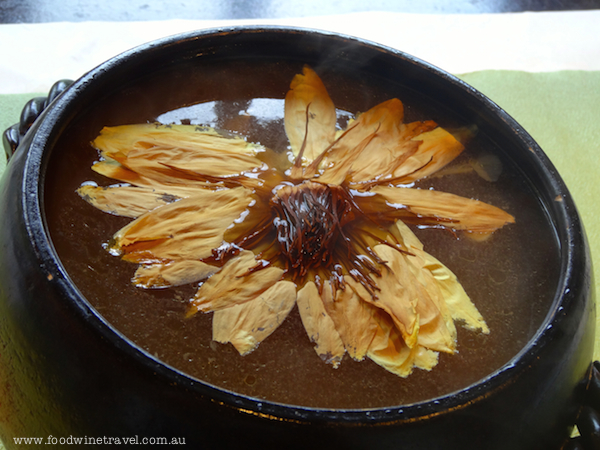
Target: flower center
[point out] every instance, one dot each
(308, 220)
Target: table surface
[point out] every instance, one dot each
(37, 11)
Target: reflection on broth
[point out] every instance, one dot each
(511, 288)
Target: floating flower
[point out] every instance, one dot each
(328, 233)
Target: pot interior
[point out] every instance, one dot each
(237, 82)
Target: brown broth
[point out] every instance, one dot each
(511, 277)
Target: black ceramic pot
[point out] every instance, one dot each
(66, 373)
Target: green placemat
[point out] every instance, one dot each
(561, 110)
(10, 112)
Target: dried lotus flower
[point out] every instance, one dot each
(328, 234)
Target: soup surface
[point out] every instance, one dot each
(510, 277)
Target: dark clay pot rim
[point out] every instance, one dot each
(566, 220)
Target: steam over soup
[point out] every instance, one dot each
(330, 243)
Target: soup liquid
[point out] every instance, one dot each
(511, 277)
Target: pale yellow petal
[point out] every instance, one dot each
(172, 273)
(459, 304)
(337, 172)
(374, 148)
(318, 324)
(440, 316)
(368, 148)
(170, 153)
(186, 229)
(404, 234)
(126, 201)
(174, 183)
(177, 145)
(436, 149)
(438, 208)
(248, 324)
(308, 99)
(424, 358)
(389, 350)
(456, 302)
(234, 284)
(436, 329)
(416, 311)
(398, 295)
(352, 317)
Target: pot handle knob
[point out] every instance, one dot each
(31, 111)
(588, 421)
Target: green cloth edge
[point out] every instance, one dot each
(561, 111)
(11, 106)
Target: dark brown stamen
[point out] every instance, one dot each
(313, 231)
(306, 224)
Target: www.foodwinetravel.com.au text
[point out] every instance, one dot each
(99, 440)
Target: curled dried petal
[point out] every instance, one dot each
(126, 201)
(308, 100)
(353, 318)
(421, 298)
(172, 273)
(370, 147)
(419, 264)
(398, 295)
(454, 300)
(389, 350)
(187, 229)
(174, 183)
(318, 324)
(234, 284)
(248, 324)
(436, 149)
(458, 302)
(174, 153)
(436, 208)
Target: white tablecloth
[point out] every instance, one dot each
(33, 56)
